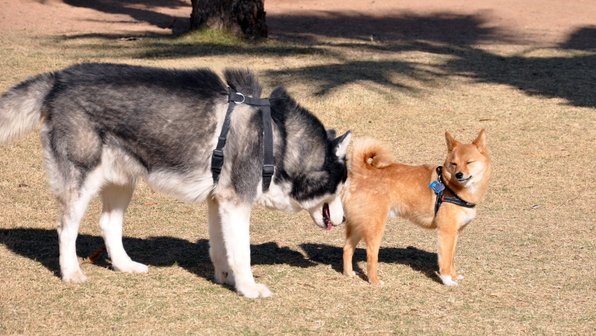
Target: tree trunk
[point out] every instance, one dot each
(245, 18)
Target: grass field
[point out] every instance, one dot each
(528, 258)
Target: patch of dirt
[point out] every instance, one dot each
(547, 22)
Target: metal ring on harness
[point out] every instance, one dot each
(243, 98)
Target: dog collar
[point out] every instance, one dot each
(217, 160)
(439, 188)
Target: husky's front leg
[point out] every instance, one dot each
(232, 242)
(217, 248)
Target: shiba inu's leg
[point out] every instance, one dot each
(235, 225)
(115, 200)
(352, 240)
(372, 239)
(217, 249)
(447, 241)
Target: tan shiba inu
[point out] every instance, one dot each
(441, 198)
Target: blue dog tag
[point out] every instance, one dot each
(436, 186)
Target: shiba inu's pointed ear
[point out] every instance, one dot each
(451, 142)
(341, 144)
(480, 141)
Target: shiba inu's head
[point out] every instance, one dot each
(467, 165)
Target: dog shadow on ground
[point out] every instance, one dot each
(42, 246)
(419, 260)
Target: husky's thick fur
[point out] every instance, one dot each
(106, 125)
(379, 187)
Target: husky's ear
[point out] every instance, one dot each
(331, 134)
(451, 142)
(480, 141)
(341, 144)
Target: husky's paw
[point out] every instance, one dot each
(448, 281)
(224, 277)
(254, 291)
(76, 276)
(130, 267)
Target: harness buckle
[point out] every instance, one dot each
(268, 170)
(217, 160)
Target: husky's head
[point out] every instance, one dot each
(467, 164)
(318, 192)
(310, 166)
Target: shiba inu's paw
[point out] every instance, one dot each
(74, 277)
(448, 280)
(254, 291)
(130, 267)
(459, 277)
(376, 282)
(350, 273)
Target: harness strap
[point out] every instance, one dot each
(268, 166)
(439, 189)
(217, 160)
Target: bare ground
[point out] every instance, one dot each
(401, 71)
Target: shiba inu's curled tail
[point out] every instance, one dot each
(368, 153)
(243, 81)
(21, 106)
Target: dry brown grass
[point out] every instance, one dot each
(528, 258)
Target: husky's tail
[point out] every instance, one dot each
(243, 81)
(20, 107)
(367, 154)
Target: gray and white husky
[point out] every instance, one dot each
(106, 125)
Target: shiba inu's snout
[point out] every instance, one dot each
(462, 178)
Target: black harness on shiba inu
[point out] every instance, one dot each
(217, 160)
(439, 188)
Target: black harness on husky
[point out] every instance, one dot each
(439, 188)
(217, 160)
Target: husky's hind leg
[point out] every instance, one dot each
(115, 200)
(74, 203)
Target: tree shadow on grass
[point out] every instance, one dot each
(459, 37)
(439, 27)
(140, 10)
(327, 77)
(301, 32)
(418, 260)
(571, 78)
(583, 38)
(42, 246)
